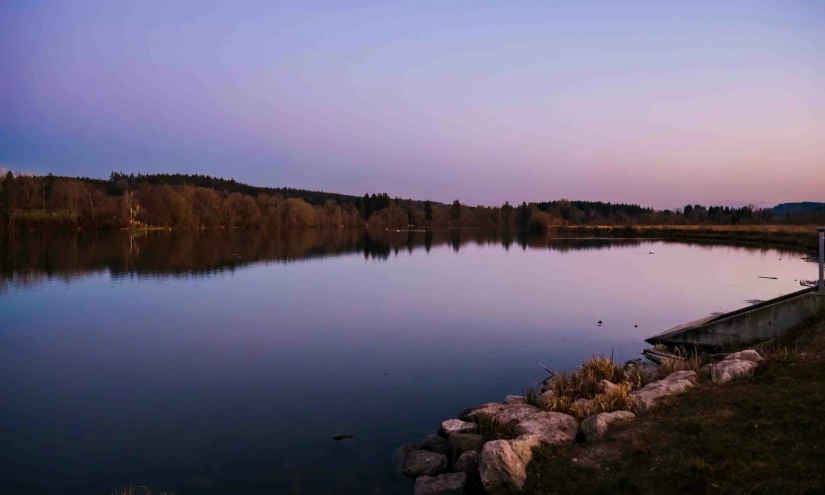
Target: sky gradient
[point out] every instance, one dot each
(659, 103)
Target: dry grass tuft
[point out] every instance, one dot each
(681, 362)
(492, 429)
(578, 393)
(583, 383)
(615, 399)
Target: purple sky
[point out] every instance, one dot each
(660, 103)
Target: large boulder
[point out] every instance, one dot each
(421, 462)
(464, 442)
(501, 469)
(747, 355)
(456, 426)
(523, 447)
(730, 369)
(467, 462)
(443, 484)
(400, 455)
(675, 383)
(596, 427)
(552, 428)
(435, 443)
(503, 464)
(514, 399)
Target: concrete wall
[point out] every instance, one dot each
(769, 320)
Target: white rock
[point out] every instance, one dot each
(596, 427)
(501, 469)
(523, 447)
(606, 385)
(549, 427)
(514, 399)
(730, 369)
(674, 384)
(457, 426)
(747, 355)
(443, 484)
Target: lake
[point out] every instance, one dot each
(225, 362)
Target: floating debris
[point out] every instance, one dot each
(771, 278)
(342, 437)
(754, 301)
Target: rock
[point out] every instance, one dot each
(729, 369)
(501, 469)
(523, 447)
(748, 355)
(595, 427)
(463, 442)
(514, 399)
(505, 413)
(435, 443)
(456, 426)
(466, 414)
(545, 400)
(467, 462)
(549, 427)
(607, 385)
(675, 383)
(444, 484)
(399, 455)
(419, 462)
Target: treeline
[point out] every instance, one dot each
(29, 202)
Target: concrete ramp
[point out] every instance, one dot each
(760, 322)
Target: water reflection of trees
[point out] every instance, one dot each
(30, 259)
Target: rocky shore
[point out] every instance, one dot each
(486, 449)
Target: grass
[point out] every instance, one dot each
(493, 429)
(579, 392)
(758, 436)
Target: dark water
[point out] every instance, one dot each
(224, 362)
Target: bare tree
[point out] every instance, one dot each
(133, 206)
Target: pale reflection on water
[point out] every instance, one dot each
(218, 362)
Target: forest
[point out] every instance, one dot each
(30, 202)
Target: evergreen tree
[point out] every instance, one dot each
(428, 210)
(6, 189)
(455, 211)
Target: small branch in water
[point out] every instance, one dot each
(772, 278)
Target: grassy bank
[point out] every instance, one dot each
(801, 237)
(763, 435)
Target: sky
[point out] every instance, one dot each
(651, 102)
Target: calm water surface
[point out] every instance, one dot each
(224, 362)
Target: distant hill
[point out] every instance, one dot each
(803, 207)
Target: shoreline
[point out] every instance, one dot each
(570, 423)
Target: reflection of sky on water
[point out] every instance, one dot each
(244, 375)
